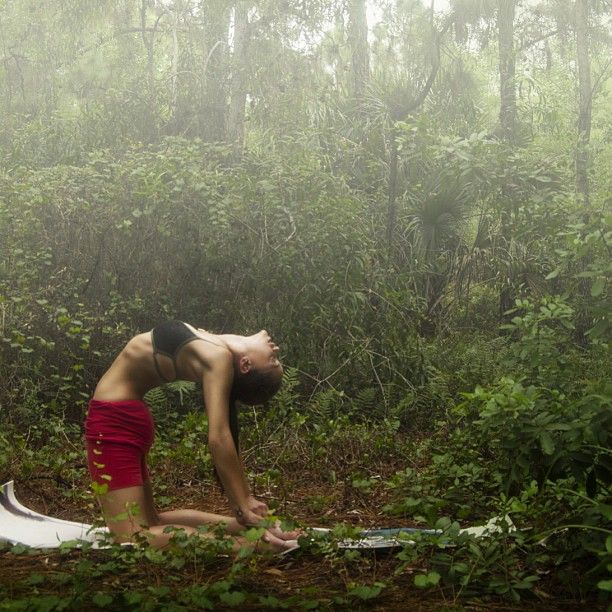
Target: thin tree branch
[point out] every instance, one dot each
(535, 41)
(434, 70)
(219, 42)
(600, 77)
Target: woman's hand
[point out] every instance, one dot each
(278, 532)
(257, 507)
(252, 512)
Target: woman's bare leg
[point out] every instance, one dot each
(195, 518)
(190, 518)
(129, 511)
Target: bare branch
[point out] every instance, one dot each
(535, 41)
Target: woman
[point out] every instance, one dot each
(119, 428)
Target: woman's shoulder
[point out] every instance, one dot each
(213, 353)
(208, 348)
(139, 342)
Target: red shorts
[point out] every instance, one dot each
(119, 436)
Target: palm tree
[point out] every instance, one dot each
(436, 229)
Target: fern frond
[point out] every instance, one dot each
(365, 402)
(287, 394)
(183, 388)
(327, 403)
(160, 396)
(155, 398)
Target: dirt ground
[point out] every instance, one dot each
(310, 503)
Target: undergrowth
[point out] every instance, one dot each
(511, 450)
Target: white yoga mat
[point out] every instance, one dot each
(20, 525)
(395, 537)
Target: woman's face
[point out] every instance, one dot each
(263, 353)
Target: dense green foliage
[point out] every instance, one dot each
(440, 287)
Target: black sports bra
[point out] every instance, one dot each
(168, 339)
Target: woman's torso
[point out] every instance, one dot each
(139, 367)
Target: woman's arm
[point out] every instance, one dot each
(217, 382)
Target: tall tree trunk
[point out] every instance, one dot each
(238, 90)
(7, 78)
(507, 126)
(585, 101)
(392, 187)
(175, 64)
(360, 50)
(148, 41)
(507, 91)
(213, 102)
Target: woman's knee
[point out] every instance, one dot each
(126, 511)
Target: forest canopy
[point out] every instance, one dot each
(413, 198)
